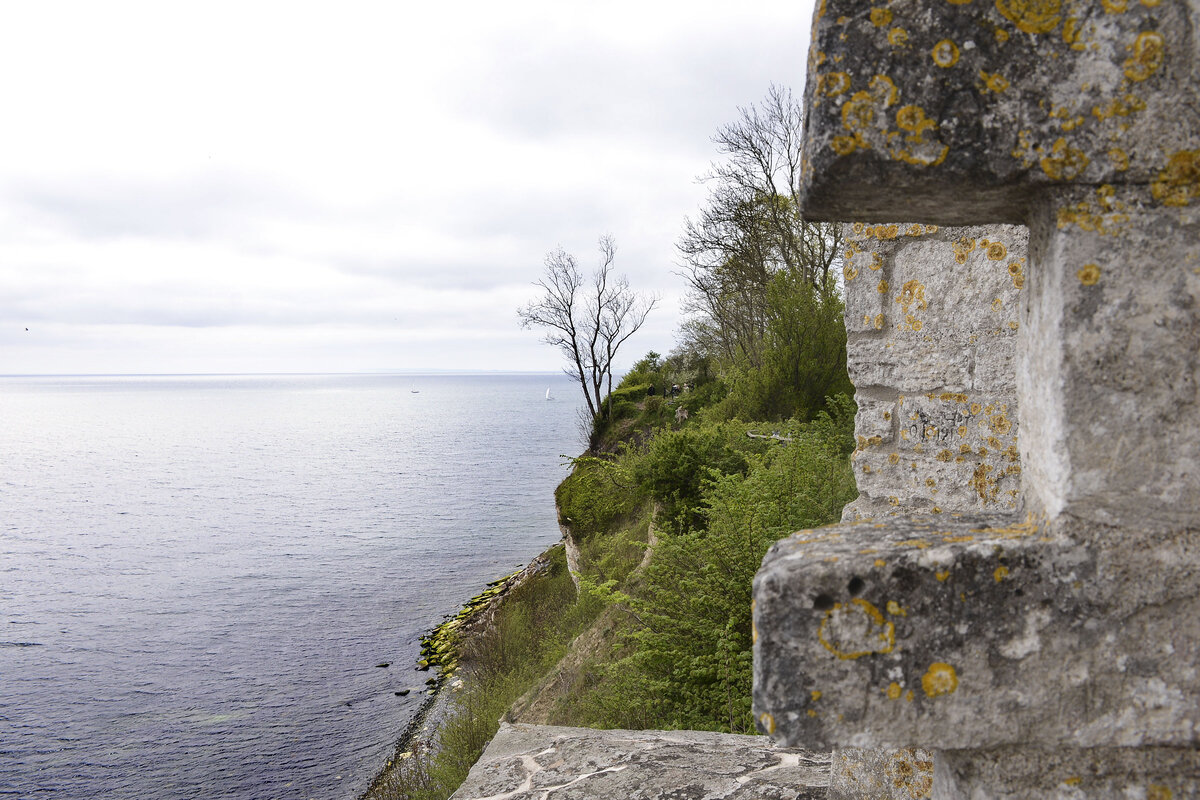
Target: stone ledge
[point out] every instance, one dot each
(975, 631)
(1103, 773)
(542, 761)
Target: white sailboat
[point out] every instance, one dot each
(548, 395)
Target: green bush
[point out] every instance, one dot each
(595, 494)
(803, 358)
(631, 394)
(685, 659)
(677, 465)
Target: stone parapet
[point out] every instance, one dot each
(949, 632)
(524, 762)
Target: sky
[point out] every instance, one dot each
(216, 187)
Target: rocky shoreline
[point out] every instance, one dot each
(440, 651)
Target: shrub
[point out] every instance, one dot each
(686, 659)
(677, 465)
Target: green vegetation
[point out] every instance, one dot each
(499, 650)
(698, 462)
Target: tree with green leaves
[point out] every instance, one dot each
(752, 229)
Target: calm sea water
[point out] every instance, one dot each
(199, 575)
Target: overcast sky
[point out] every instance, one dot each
(339, 187)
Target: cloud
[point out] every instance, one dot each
(277, 187)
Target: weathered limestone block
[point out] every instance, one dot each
(1110, 375)
(952, 112)
(1103, 773)
(950, 632)
(539, 761)
(933, 321)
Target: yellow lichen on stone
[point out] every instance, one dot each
(940, 679)
(1106, 215)
(879, 562)
(767, 722)
(1000, 573)
(942, 575)
(920, 544)
(849, 272)
(1064, 162)
(918, 150)
(1119, 107)
(996, 251)
(1089, 275)
(909, 774)
(1179, 182)
(912, 293)
(993, 81)
(881, 17)
(1149, 52)
(1156, 791)
(884, 89)
(882, 287)
(895, 609)
(898, 37)
(962, 248)
(945, 54)
(832, 84)
(893, 691)
(1072, 34)
(1119, 159)
(816, 695)
(1032, 16)
(984, 485)
(863, 627)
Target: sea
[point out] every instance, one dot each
(215, 586)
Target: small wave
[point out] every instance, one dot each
(21, 644)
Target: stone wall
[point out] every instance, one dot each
(1052, 652)
(932, 320)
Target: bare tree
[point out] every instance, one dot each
(753, 228)
(587, 321)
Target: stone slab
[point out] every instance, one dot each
(956, 112)
(972, 631)
(557, 763)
